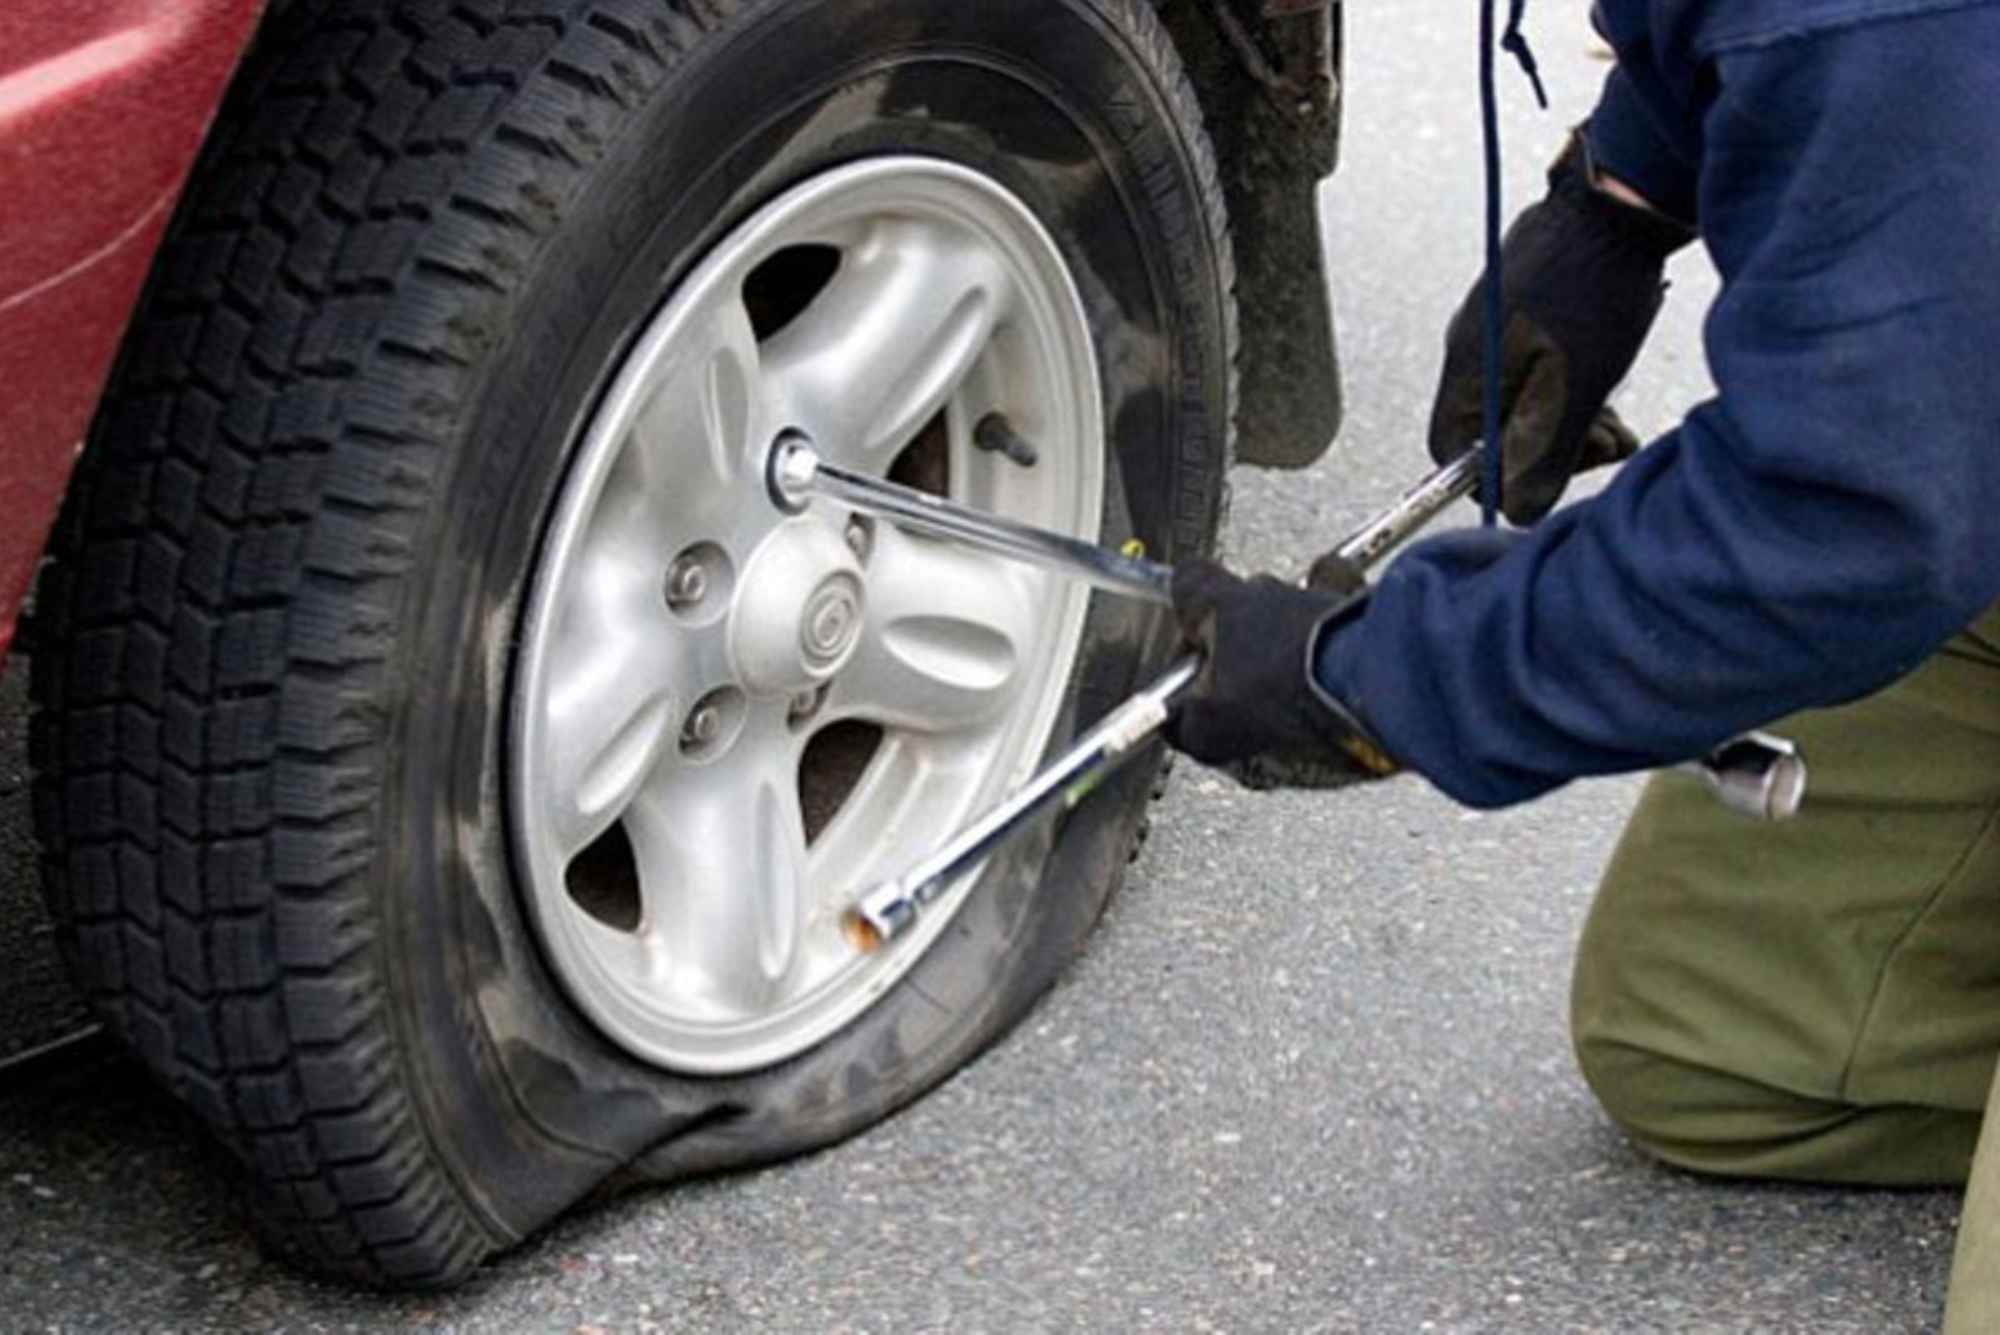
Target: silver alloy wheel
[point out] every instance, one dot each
(685, 641)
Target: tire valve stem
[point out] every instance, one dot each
(997, 435)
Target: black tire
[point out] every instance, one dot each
(273, 643)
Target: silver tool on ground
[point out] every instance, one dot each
(1756, 774)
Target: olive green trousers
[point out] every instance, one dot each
(1820, 1000)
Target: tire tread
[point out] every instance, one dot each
(215, 625)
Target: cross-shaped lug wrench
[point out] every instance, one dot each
(1757, 774)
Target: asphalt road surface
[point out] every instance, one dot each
(1312, 1073)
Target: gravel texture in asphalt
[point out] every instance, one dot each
(1312, 1073)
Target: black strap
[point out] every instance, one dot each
(1516, 45)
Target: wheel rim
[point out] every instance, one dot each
(727, 721)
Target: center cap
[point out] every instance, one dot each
(832, 621)
(799, 609)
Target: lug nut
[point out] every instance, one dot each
(712, 726)
(804, 705)
(687, 582)
(702, 727)
(860, 538)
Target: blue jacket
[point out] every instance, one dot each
(1833, 515)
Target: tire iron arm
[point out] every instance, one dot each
(1755, 774)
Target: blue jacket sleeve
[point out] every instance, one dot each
(1627, 142)
(1815, 531)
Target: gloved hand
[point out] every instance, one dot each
(1580, 285)
(1256, 712)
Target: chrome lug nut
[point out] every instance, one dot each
(860, 537)
(790, 471)
(804, 705)
(703, 726)
(713, 725)
(687, 582)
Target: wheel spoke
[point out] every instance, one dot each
(612, 712)
(946, 639)
(888, 822)
(721, 856)
(674, 891)
(704, 405)
(880, 351)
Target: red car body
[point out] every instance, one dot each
(103, 106)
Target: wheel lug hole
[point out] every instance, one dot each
(698, 582)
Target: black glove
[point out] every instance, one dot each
(1256, 713)
(1580, 285)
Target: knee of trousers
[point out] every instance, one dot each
(1718, 1122)
(1665, 1105)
